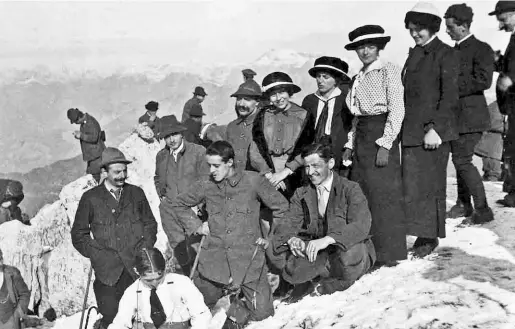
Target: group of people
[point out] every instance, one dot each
(318, 193)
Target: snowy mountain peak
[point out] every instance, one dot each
(280, 57)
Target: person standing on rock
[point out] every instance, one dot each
(476, 72)
(324, 238)
(239, 131)
(431, 99)
(505, 91)
(229, 259)
(151, 118)
(113, 221)
(11, 194)
(91, 139)
(198, 97)
(178, 166)
(14, 296)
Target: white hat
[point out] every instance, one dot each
(423, 7)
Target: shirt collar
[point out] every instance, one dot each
(179, 150)
(376, 65)
(429, 41)
(234, 179)
(110, 187)
(328, 182)
(463, 39)
(335, 93)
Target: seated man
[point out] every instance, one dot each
(324, 237)
(150, 117)
(11, 194)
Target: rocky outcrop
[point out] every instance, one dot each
(54, 271)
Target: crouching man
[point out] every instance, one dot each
(230, 259)
(325, 236)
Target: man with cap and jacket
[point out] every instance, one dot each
(150, 117)
(178, 166)
(11, 194)
(248, 74)
(198, 97)
(239, 131)
(476, 72)
(193, 126)
(113, 221)
(505, 91)
(91, 138)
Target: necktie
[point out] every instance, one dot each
(117, 193)
(322, 120)
(321, 201)
(157, 313)
(457, 46)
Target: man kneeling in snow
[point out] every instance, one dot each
(324, 239)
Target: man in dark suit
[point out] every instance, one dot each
(325, 235)
(113, 221)
(198, 97)
(327, 105)
(91, 138)
(505, 90)
(476, 71)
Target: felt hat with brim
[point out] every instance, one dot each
(278, 80)
(332, 65)
(152, 106)
(199, 91)
(196, 110)
(367, 34)
(74, 115)
(249, 88)
(113, 155)
(169, 125)
(248, 73)
(503, 7)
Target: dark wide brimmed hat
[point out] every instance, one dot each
(169, 125)
(248, 73)
(74, 115)
(113, 155)
(367, 34)
(332, 64)
(199, 91)
(503, 7)
(277, 80)
(152, 106)
(249, 88)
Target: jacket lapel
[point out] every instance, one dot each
(312, 202)
(109, 199)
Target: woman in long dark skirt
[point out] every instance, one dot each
(376, 99)
(431, 99)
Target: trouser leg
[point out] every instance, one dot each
(108, 297)
(462, 152)
(212, 291)
(94, 168)
(345, 267)
(492, 167)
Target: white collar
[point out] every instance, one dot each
(110, 187)
(376, 65)
(179, 149)
(463, 39)
(335, 93)
(328, 182)
(429, 41)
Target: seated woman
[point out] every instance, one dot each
(160, 300)
(14, 296)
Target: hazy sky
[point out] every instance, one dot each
(94, 34)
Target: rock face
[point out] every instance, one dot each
(54, 271)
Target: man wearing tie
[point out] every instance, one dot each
(113, 221)
(325, 236)
(505, 90)
(476, 71)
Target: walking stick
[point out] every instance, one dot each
(195, 263)
(84, 305)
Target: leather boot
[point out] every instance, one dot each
(483, 215)
(424, 247)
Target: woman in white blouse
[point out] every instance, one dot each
(160, 301)
(376, 99)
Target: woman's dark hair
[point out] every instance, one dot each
(150, 260)
(336, 77)
(222, 149)
(277, 89)
(462, 14)
(323, 148)
(423, 21)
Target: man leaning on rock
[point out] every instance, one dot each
(113, 221)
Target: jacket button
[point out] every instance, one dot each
(228, 231)
(114, 210)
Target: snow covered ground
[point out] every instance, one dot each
(468, 283)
